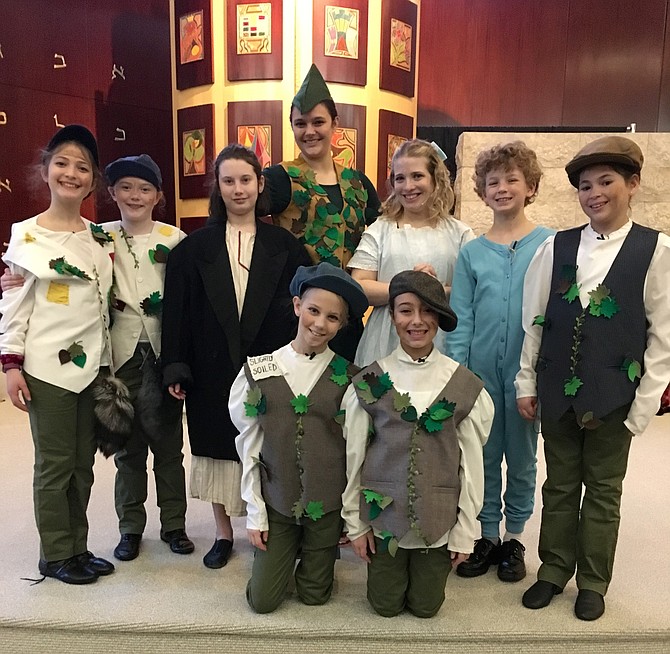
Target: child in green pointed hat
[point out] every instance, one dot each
(299, 189)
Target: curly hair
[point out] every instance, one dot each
(217, 208)
(440, 201)
(507, 156)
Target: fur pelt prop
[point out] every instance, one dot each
(114, 414)
(150, 401)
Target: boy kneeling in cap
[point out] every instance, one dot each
(417, 422)
(287, 407)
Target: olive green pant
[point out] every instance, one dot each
(317, 543)
(581, 531)
(130, 486)
(413, 579)
(62, 426)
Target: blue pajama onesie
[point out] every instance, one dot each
(487, 296)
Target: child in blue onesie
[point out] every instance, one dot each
(487, 298)
(287, 408)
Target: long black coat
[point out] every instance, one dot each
(204, 342)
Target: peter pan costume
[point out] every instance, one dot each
(595, 354)
(329, 219)
(54, 326)
(415, 432)
(287, 407)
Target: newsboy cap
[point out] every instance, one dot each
(78, 134)
(333, 279)
(606, 150)
(142, 166)
(428, 290)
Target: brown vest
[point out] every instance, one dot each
(419, 470)
(303, 456)
(328, 234)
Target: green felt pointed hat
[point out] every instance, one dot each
(312, 91)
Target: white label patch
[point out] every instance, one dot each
(263, 367)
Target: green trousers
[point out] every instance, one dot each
(272, 569)
(62, 426)
(130, 486)
(580, 531)
(412, 579)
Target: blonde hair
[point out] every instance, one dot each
(440, 201)
(506, 156)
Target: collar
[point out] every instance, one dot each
(620, 233)
(405, 359)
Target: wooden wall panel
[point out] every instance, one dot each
(486, 62)
(664, 95)
(614, 62)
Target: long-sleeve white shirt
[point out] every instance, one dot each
(424, 382)
(594, 259)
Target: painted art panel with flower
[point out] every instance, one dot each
(191, 46)
(193, 152)
(401, 44)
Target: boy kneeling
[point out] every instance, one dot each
(287, 407)
(417, 423)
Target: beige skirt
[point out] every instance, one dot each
(218, 481)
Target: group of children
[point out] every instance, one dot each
(403, 459)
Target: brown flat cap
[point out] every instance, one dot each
(428, 290)
(606, 150)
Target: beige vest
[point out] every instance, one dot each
(419, 470)
(303, 456)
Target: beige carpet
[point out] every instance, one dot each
(165, 602)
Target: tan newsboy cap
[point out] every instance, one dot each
(606, 150)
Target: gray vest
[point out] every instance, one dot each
(606, 342)
(425, 493)
(304, 467)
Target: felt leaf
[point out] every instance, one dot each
(539, 320)
(340, 380)
(431, 426)
(347, 173)
(572, 293)
(332, 209)
(340, 416)
(569, 272)
(393, 546)
(594, 309)
(160, 254)
(314, 510)
(572, 386)
(76, 349)
(599, 293)
(152, 305)
(634, 370)
(301, 198)
(385, 535)
(317, 188)
(79, 360)
(401, 402)
(297, 510)
(339, 365)
(250, 410)
(385, 382)
(409, 414)
(384, 502)
(100, 235)
(374, 512)
(64, 357)
(372, 496)
(321, 210)
(300, 403)
(609, 307)
(443, 412)
(254, 395)
(364, 392)
(293, 171)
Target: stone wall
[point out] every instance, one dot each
(556, 204)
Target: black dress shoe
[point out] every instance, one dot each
(485, 555)
(95, 564)
(511, 566)
(128, 547)
(218, 556)
(178, 541)
(540, 594)
(590, 605)
(69, 571)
